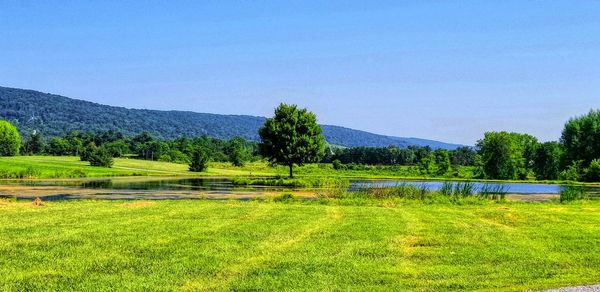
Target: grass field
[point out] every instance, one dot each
(65, 167)
(71, 167)
(218, 245)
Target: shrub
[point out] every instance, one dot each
(337, 165)
(571, 193)
(284, 198)
(572, 173)
(77, 173)
(199, 160)
(592, 173)
(174, 156)
(87, 152)
(101, 157)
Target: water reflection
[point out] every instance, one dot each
(192, 188)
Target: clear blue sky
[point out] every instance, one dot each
(446, 70)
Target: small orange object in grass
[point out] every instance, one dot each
(38, 202)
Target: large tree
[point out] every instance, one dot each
(547, 161)
(237, 151)
(292, 137)
(58, 146)
(10, 141)
(581, 138)
(507, 155)
(34, 144)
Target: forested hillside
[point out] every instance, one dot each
(55, 115)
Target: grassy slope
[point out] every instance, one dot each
(190, 245)
(60, 167)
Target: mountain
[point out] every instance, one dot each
(55, 115)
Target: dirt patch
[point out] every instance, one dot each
(137, 204)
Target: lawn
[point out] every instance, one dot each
(70, 166)
(221, 245)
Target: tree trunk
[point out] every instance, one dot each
(291, 170)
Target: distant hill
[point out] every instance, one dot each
(55, 115)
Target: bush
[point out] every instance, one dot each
(87, 152)
(571, 193)
(284, 198)
(572, 173)
(199, 160)
(592, 173)
(337, 165)
(174, 156)
(101, 157)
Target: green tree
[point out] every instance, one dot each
(427, 164)
(547, 161)
(10, 141)
(238, 152)
(291, 137)
(463, 156)
(58, 147)
(442, 161)
(101, 157)
(87, 152)
(199, 160)
(506, 155)
(527, 145)
(592, 172)
(76, 145)
(175, 156)
(117, 148)
(581, 138)
(34, 144)
(573, 172)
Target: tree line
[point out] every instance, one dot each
(575, 157)
(100, 147)
(293, 137)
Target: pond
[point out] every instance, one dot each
(513, 188)
(153, 188)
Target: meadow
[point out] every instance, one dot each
(60, 167)
(317, 245)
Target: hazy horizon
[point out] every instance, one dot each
(446, 71)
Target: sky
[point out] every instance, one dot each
(444, 70)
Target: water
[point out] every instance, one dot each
(209, 188)
(512, 188)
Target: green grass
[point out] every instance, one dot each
(308, 182)
(222, 245)
(71, 167)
